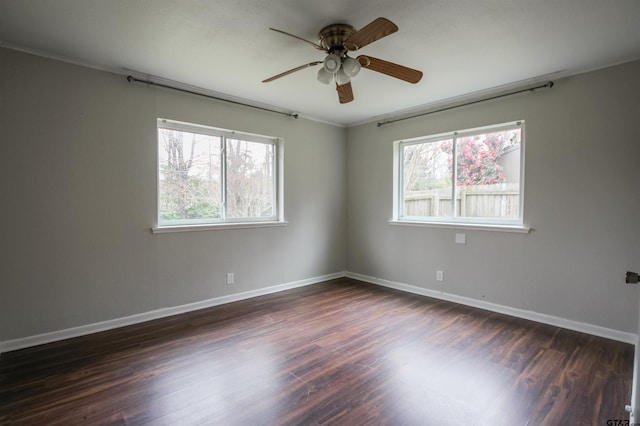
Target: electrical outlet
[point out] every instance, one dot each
(230, 278)
(439, 276)
(461, 238)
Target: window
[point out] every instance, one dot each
(470, 176)
(213, 176)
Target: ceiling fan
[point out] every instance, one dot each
(337, 40)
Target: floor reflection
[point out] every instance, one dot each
(219, 387)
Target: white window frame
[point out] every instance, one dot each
(277, 219)
(453, 221)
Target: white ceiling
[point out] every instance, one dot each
(225, 46)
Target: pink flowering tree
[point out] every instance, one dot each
(477, 159)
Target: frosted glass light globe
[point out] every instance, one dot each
(351, 67)
(332, 63)
(324, 76)
(342, 77)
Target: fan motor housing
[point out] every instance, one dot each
(332, 36)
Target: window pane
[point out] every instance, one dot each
(426, 179)
(250, 179)
(488, 175)
(189, 176)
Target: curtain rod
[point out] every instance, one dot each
(132, 79)
(548, 84)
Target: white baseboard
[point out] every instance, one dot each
(582, 327)
(40, 339)
(11, 345)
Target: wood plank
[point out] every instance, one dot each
(338, 352)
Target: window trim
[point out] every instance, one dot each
(277, 219)
(510, 225)
(519, 229)
(215, 226)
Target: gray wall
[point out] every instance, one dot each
(582, 197)
(78, 181)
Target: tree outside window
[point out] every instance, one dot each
(210, 176)
(467, 176)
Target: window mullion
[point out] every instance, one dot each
(400, 182)
(223, 177)
(454, 174)
(275, 172)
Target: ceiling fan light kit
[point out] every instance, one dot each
(339, 68)
(339, 39)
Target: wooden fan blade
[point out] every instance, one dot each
(301, 67)
(316, 45)
(389, 68)
(375, 30)
(345, 93)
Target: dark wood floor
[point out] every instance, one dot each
(341, 352)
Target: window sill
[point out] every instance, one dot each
(215, 227)
(521, 229)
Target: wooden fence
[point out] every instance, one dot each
(502, 200)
